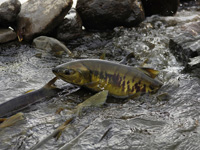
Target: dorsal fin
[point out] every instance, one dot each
(127, 58)
(149, 71)
(103, 56)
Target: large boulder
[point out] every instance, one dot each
(160, 7)
(7, 35)
(101, 14)
(8, 12)
(70, 28)
(186, 46)
(38, 17)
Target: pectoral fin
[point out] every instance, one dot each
(50, 84)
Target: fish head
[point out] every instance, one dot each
(73, 72)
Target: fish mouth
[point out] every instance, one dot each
(59, 75)
(55, 71)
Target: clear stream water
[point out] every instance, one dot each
(141, 123)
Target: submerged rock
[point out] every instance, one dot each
(101, 14)
(160, 7)
(70, 28)
(39, 17)
(50, 44)
(7, 35)
(8, 12)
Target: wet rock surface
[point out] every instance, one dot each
(139, 123)
(70, 28)
(160, 7)
(40, 17)
(194, 66)
(185, 46)
(8, 12)
(7, 35)
(100, 14)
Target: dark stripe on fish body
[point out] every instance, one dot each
(128, 87)
(137, 87)
(101, 75)
(128, 82)
(109, 76)
(124, 77)
(133, 88)
(144, 88)
(116, 80)
(123, 86)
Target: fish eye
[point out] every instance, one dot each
(69, 71)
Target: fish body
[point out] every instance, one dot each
(16, 104)
(120, 80)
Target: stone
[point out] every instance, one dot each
(8, 12)
(101, 14)
(186, 46)
(7, 35)
(194, 62)
(182, 46)
(51, 45)
(70, 28)
(40, 17)
(192, 28)
(160, 7)
(194, 66)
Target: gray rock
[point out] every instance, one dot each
(7, 35)
(70, 28)
(101, 14)
(186, 45)
(182, 46)
(39, 17)
(160, 7)
(51, 45)
(194, 66)
(194, 61)
(8, 12)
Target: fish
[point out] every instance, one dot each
(16, 104)
(120, 80)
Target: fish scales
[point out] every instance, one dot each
(120, 80)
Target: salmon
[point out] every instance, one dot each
(18, 103)
(120, 80)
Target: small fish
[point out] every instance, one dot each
(16, 104)
(120, 80)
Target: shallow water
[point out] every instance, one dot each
(141, 123)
